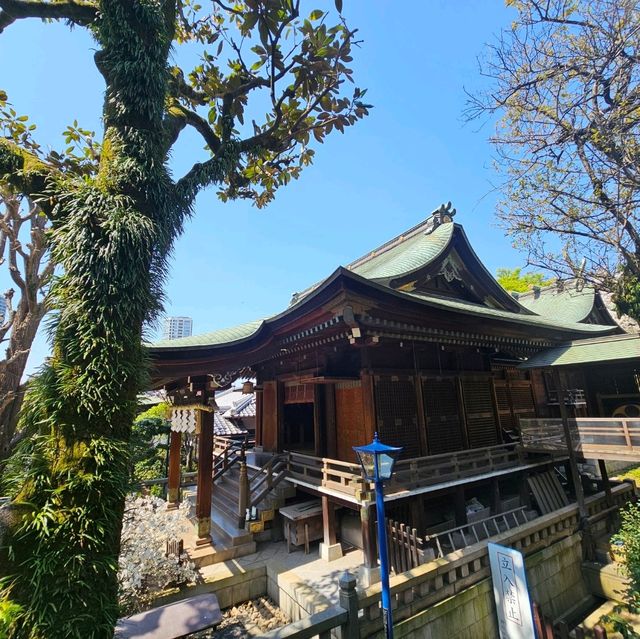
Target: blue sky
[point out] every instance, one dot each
(236, 263)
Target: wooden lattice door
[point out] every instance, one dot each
(397, 412)
(514, 399)
(443, 416)
(480, 417)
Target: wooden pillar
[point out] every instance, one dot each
(460, 506)
(422, 416)
(319, 432)
(495, 496)
(173, 479)
(205, 479)
(462, 412)
(258, 417)
(330, 549)
(368, 523)
(280, 416)
(330, 420)
(605, 481)
(369, 405)
(243, 494)
(573, 464)
(417, 514)
(525, 495)
(328, 521)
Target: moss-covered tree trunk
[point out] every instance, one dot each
(111, 238)
(112, 232)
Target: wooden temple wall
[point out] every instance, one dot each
(423, 413)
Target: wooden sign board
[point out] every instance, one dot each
(513, 606)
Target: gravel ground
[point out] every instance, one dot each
(249, 619)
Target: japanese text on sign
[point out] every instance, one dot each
(513, 607)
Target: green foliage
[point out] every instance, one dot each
(627, 295)
(564, 83)
(9, 612)
(628, 539)
(512, 280)
(149, 445)
(160, 411)
(116, 211)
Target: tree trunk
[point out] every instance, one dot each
(23, 331)
(111, 239)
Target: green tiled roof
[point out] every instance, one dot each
(221, 336)
(484, 311)
(586, 351)
(567, 304)
(409, 252)
(405, 255)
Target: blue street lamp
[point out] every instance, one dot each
(377, 461)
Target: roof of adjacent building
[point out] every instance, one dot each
(612, 348)
(224, 427)
(407, 267)
(233, 403)
(569, 302)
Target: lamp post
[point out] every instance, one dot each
(377, 461)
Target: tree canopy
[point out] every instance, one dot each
(565, 83)
(271, 82)
(513, 280)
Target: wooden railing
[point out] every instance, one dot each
(331, 474)
(439, 579)
(592, 437)
(405, 548)
(266, 479)
(438, 469)
(418, 473)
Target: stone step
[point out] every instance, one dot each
(219, 552)
(226, 490)
(226, 526)
(606, 582)
(227, 511)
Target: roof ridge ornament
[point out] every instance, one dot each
(443, 214)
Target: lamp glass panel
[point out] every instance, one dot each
(367, 461)
(385, 465)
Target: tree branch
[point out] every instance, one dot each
(198, 123)
(78, 12)
(26, 173)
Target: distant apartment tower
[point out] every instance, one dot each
(3, 309)
(176, 327)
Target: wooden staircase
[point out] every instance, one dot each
(238, 486)
(228, 513)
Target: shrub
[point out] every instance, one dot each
(144, 569)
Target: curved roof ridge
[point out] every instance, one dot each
(227, 335)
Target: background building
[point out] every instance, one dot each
(176, 327)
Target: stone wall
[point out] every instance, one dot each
(555, 581)
(296, 598)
